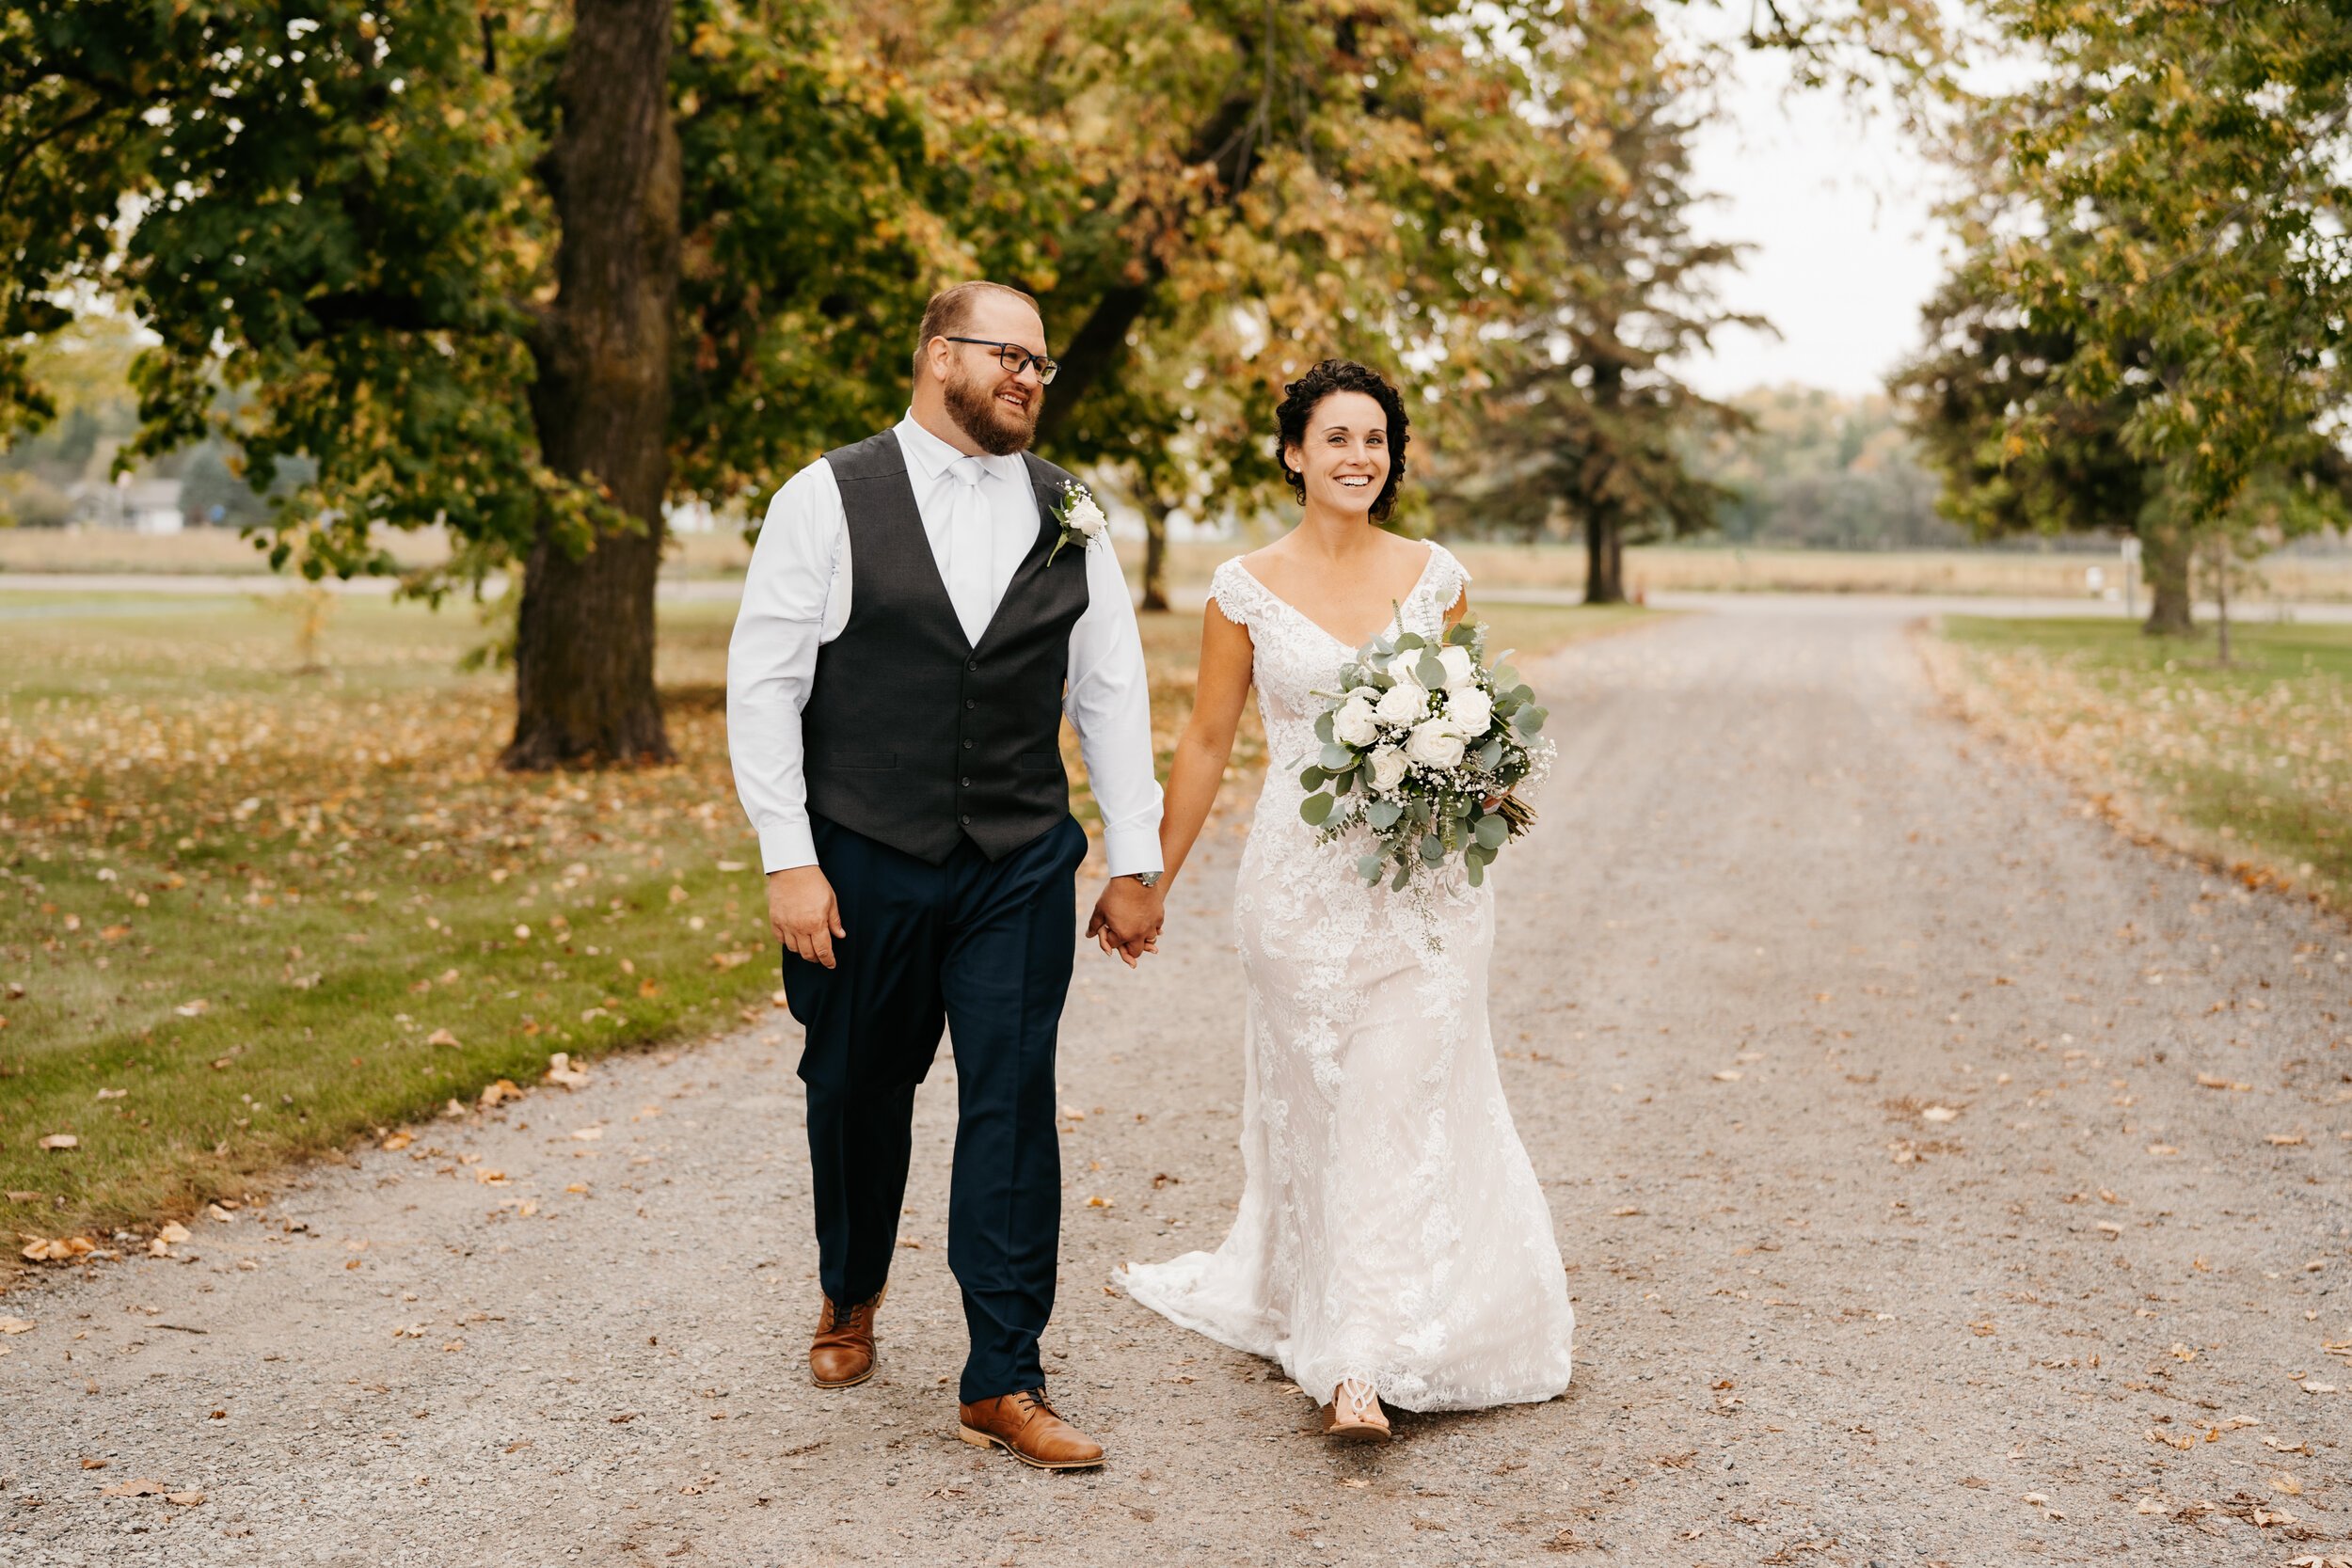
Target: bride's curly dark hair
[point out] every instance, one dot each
(1298, 405)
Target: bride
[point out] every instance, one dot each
(1391, 1243)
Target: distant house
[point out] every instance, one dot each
(140, 505)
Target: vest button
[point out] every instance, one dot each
(971, 702)
(965, 819)
(969, 744)
(971, 664)
(965, 782)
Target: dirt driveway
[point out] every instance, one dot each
(1940, 1180)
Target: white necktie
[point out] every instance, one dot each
(971, 549)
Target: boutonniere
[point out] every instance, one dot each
(1080, 520)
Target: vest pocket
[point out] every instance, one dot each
(1040, 762)
(863, 760)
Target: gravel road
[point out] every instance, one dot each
(1868, 1077)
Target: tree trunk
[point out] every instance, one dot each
(1156, 552)
(2221, 594)
(2164, 560)
(1604, 557)
(585, 634)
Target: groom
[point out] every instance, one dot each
(910, 638)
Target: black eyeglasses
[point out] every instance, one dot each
(1015, 358)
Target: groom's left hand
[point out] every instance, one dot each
(1126, 919)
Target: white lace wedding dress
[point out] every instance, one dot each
(1391, 1227)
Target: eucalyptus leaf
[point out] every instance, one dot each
(1476, 871)
(1336, 758)
(1430, 671)
(1433, 848)
(1368, 867)
(1491, 831)
(1531, 719)
(1316, 809)
(1489, 755)
(1382, 815)
(1410, 641)
(1404, 875)
(1313, 779)
(1323, 729)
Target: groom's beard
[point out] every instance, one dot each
(994, 427)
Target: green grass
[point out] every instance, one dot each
(247, 899)
(2255, 760)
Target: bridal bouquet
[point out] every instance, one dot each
(1418, 741)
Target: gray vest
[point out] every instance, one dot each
(911, 734)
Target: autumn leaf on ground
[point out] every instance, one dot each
(61, 1141)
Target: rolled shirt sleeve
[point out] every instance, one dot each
(790, 592)
(1109, 704)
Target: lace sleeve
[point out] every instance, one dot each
(1236, 593)
(1448, 580)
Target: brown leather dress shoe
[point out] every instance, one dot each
(842, 1354)
(1025, 1427)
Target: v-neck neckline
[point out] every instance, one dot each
(1394, 619)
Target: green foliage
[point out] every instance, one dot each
(2164, 203)
(1583, 423)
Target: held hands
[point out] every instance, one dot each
(1127, 919)
(802, 913)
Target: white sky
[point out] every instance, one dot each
(1835, 202)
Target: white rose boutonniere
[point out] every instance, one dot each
(1079, 517)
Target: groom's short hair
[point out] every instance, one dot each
(950, 311)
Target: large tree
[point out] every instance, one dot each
(526, 270)
(1586, 420)
(2176, 202)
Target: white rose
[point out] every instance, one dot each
(1087, 519)
(1388, 768)
(1436, 743)
(1404, 668)
(1472, 710)
(1459, 670)
(1403, 704)
(1354, 724)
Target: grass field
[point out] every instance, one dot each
(2249, 765)
(250, 915)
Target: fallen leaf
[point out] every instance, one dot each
(60, 1140)
(399, 1141)
(440, 1037)
(185, 1500)
(2285, 1140)
(500, 1092)
(560, 1070)
(144, 1487)
(1623, 1214)
(2162, 1149)
(2206, 1080)
(173, 1231)
(1729, 1075)
(118, 1094)
(15, 1326)
(193, 1009)
(587, 1135)
(2181, 1352)
(2287, 1484)
(96, 1463)
(1939, 1113)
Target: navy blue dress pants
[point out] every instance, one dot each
(984, 948)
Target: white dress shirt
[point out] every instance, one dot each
(796, 596)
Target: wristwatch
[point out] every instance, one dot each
(1149, 878)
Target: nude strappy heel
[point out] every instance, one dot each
(1354, 1415)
